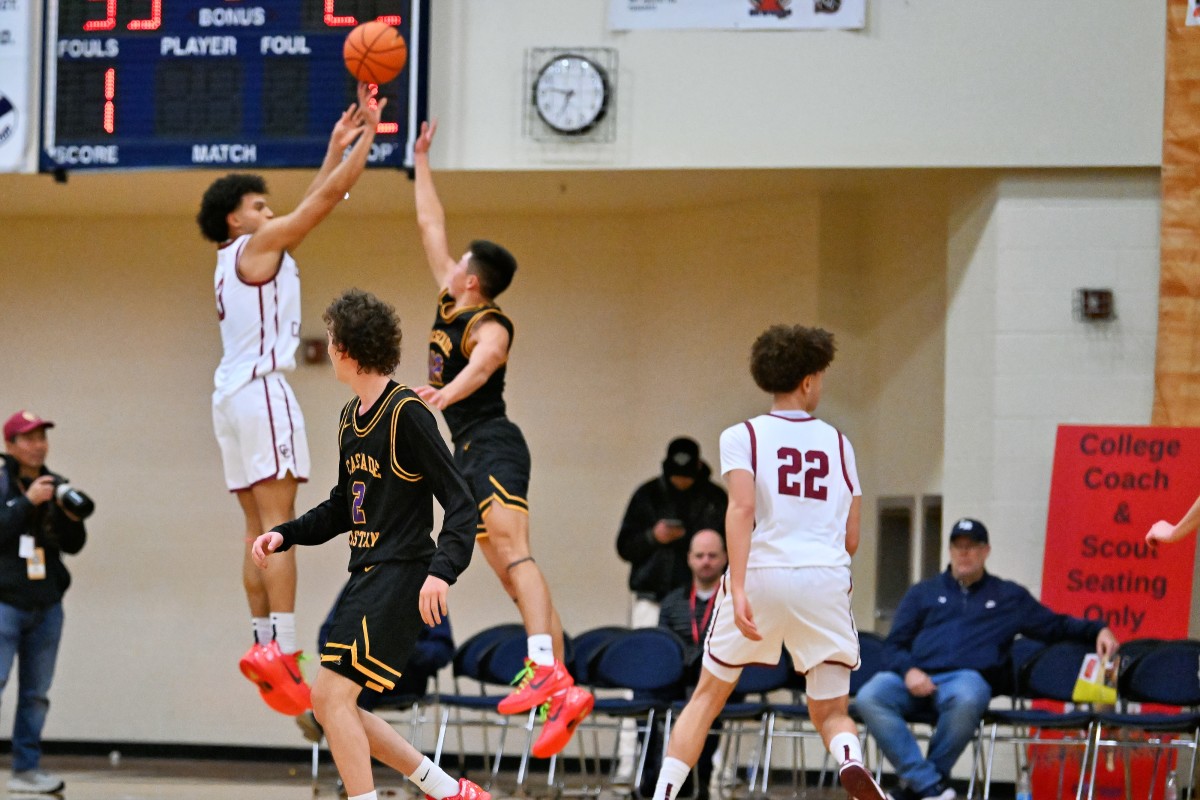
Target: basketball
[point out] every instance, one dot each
(375, 52)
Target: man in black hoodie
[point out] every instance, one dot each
(35, 530)
(662, 517)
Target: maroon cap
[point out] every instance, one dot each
(24, 422)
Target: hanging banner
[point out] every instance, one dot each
(18, 116)
(780, 15)
(1110, 484)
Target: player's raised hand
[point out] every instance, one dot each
(347, 128)
(433, 600)
(425, 140)
(265, 545)
(1161, 531)
(743, 617)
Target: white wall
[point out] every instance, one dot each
(926, 83)
(1018, 364)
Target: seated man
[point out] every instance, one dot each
(948, 650)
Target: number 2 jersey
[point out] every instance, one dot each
(804, 481)
(260, 322)
(394, 463)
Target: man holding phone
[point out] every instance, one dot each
(663, 515)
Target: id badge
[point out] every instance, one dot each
(35, 565)
(25, 546)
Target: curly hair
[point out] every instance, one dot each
(366, 329)
(494, 265)
(784, 355)
(221, 199)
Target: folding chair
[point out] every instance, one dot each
(1164, 673)
(1049, 674)
(647, 662)
(753, 713)
(469, 665)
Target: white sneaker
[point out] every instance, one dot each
(946, 793)
(34, 781)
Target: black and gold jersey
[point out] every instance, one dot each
(449, 353)
(394, 463)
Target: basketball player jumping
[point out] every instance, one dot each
(791, 527)
(258, 423)
(468, 354)
(393, 463)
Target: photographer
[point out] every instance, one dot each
(41, 517)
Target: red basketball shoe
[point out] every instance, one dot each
(467, 791)
(535, 685)
(278, 677)
(568, 708)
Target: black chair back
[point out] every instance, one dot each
(1051, 674)
(1168, 674)
(642, 659)
(870, 655)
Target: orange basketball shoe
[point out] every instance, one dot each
(467, 790)
(278, 677)
(568, 708)
(535, 685)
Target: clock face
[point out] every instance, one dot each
(571, 94)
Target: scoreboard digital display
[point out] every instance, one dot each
(237, 84)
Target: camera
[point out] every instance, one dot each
(73, 501)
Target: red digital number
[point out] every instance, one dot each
(348, 21)
(110, 94)
(110, 17)
(382, 127)
(152, 22)
(794, 462)
(334, 21)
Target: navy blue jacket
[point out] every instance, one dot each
(941, 626)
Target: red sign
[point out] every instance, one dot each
(1110, 485)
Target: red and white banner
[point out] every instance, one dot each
(626, 15)
(1110, 484)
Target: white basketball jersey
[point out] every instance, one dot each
(260, 323)
(804, 480)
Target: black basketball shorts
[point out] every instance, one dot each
(376, 624)
(495, 461)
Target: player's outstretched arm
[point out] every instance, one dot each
(344, 132)
(431, 216)
(739, 521)
(1163, 531)
(488, 354)
(261, 256)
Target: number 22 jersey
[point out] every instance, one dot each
(805, 478)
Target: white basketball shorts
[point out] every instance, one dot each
(805, 609)
(261, 433)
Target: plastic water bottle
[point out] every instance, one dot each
(1024, 789)
(1172, 790)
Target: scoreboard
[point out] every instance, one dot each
(232, 84)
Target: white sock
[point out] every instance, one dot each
(541, 649)
(368, 796)
(433, 780)
(284, 625)
(845, 747)
(671, 776)
(262, 629)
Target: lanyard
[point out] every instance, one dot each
(708, 607)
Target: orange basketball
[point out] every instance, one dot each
(375, 52)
